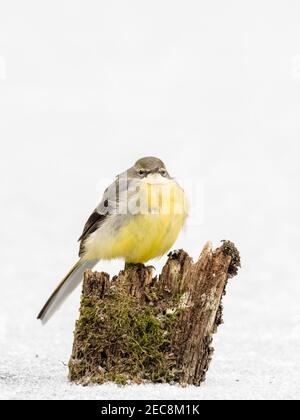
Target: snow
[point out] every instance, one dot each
(255, 350)
(217, 97)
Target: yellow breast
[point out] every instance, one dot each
(147, 237)
(151, 232)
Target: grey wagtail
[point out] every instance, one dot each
(138, 219)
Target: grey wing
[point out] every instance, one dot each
(94, 221)
(92, 224)
(107, 206)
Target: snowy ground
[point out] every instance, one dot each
(256, 349)
(215, 92)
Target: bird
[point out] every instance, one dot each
(138, 219)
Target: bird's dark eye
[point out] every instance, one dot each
(141, 172)
(163, 172)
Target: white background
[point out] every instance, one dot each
(212, 88)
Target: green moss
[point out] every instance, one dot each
(129, 265)
(120, 339)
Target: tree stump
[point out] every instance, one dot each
(137, 328)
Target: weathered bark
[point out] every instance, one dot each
(139, 328)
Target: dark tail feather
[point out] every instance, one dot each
(64, 289)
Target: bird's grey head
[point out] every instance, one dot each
(149, 166)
